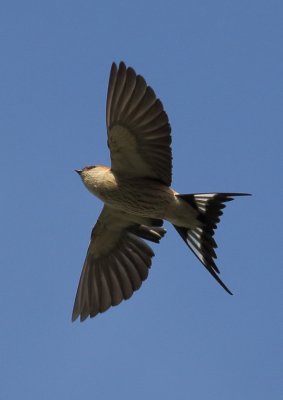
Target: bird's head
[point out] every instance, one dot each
(92, 175)
(86, 171)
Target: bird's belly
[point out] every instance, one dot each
(138, 197)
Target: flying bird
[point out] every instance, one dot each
(137, 196)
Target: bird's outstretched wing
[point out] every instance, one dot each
(138, 128)
(116, 263)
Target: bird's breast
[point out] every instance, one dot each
(143, 197)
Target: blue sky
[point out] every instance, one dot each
(217, 66)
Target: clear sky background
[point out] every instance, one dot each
(217, 66)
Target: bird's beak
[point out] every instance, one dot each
(79, 171)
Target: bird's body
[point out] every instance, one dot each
(137, 196)
(141, 197)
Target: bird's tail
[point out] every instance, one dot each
(200, 239)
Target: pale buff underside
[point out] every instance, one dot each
(139, 196)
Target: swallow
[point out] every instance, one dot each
(137, 196)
